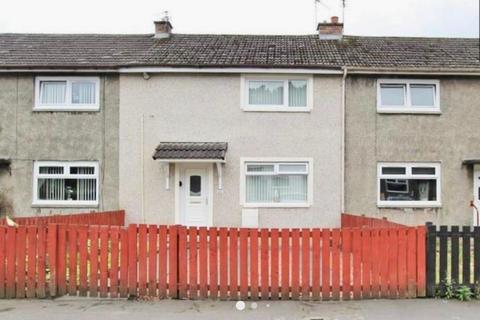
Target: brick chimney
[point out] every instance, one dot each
(332, 30)
(163, 27)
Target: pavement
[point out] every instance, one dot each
(73, 308)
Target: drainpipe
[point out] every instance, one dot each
(142, 193)
(344, 78)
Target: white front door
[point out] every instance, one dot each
(476, 193)
(195, 195)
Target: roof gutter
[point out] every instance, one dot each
(227, 70)
(55, 70)
(418, 71)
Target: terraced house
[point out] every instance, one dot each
(240, 130)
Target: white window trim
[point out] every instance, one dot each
(244, 78)
(66, 164)
(408, 175)
(244, 161)
(68, 106)
(408, 108)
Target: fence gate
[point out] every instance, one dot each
(453, 258)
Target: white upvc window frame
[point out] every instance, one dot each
(408, 175)
(66, 175)
(244, 92)
(276, 161)
(408, 107)
(68, 106)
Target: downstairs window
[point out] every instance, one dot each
(65, 183)
(408, 184)
(276, 184)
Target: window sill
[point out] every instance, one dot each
(64, 205)
(66, 109)
(409, 205)
(277, 109)
(408, 111)
(276, 205)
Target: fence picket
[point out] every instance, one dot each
(346, 263)
(162, 261)
(142, 260)
(21, 257)
(72, 260)
(115, 252)
(94, 263)
(466, 255)
(336, 264)
(357, 263)
(254, 264)
(274, 264)
(192, 260)
(393, 263)
(152, 260)
(454, 255)
(124, 263)
(305, 264)
(476, 256)
(411, 263)
(182, 263)
(213, 263)
(264, 270)
(173, 262)
(233, 255)
(104, 235)
(316, 236)
(383, 256)
(421, 261)
(132, 261)
(83, 260)
(243, 264)
(285, 273)
(223, 260)
(366, 263)
(3, 259)
(375, 258)
(326, 264)
(295, 280)
(62, 260)
(10, 269)
(32, 261)
(203, 262)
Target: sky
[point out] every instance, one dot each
(435, 18)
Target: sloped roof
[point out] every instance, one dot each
(256, 51)
(191, 150)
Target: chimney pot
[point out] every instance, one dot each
(332, 30)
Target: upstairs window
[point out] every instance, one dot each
(65, 183)
(408, 184)
(275, 93)
(408, 96)
(67, 93)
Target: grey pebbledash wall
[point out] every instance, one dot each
(28, 135)
(207, 107)
(450, 137)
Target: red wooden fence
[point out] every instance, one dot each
(218, 263)
(356, 221)
(114, 218)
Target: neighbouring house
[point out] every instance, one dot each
(413, 133)
(239, 130)
(59, 134)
